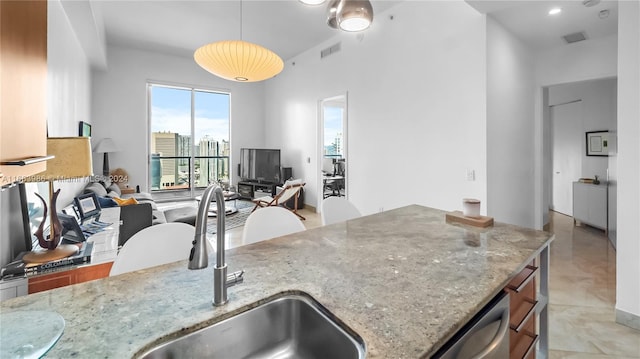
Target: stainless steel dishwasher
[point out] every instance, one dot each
(486, 336)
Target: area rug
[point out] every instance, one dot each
(233, 220)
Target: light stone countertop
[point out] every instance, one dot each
(404, 280)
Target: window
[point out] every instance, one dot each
(189, 138)
(333, 131)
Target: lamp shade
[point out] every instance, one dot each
(332, 13)
(72, 159)
(106, 145)
(354, 15)
(238, 60)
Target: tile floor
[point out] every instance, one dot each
(582, 288)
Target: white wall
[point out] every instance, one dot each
(628, 238)
(68, 76)
(68, 86)
(119, 108)
(599, 113)
(510, 146)
(416, 107)
(585, 60)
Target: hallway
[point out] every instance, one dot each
(583, 294)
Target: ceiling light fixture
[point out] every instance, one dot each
(238, 60)
(312, 2)
(332, 12)
(354, 15)
(555, 11)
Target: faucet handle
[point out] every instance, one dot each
(235, 278)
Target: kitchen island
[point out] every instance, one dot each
(404, 280)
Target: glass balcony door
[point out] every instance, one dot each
(189, 139)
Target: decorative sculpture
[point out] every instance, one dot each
(55, 227)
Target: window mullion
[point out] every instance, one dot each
(192, 160)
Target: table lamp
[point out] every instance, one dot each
(105, 146)
(72, 160)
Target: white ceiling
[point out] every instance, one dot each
(530, 21)
(289, 27)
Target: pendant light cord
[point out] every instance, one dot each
(240, 20)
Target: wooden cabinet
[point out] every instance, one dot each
(528, 294)
(68, 277)
(23, 81)
(590, 204)
(522, 296)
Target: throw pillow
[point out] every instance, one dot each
(114, 188)
(106, 202)
(96, 188)
(125, 202)
(293, 182)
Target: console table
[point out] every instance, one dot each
(251, 190)
(590, 204)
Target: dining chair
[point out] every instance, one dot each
(337, 209)
(153, 246)
(270, 222)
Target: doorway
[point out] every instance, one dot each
(566, 124)
(332, 152)
(580, 107)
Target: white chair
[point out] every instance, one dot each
(337, 209)
(270, 222)
(153, 246)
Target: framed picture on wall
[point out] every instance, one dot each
(598, 143)
(84, 129)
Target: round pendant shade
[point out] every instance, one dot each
(239, 60)
(354, 15)
(312, 2)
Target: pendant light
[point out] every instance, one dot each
(312, 2)
(238, 60)
(332, 12)
(354, 15)
(349, 15)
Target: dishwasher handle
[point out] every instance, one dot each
(495, 343)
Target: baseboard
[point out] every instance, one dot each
(310, 208)
(627, 319)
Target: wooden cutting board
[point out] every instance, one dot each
(457, 217)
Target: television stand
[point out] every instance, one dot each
(255, 189)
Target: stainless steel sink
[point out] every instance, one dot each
(293, 326)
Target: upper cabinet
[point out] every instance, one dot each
(23, 78)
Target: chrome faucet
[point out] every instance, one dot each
(198, 258)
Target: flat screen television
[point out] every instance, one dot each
(260, 165)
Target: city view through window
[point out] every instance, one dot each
(189, 145)
(333, 133)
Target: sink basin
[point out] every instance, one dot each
(292, 326)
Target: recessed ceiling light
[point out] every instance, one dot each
(555, 11)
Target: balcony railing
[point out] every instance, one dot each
(169, 173)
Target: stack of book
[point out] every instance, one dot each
(18, 268)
